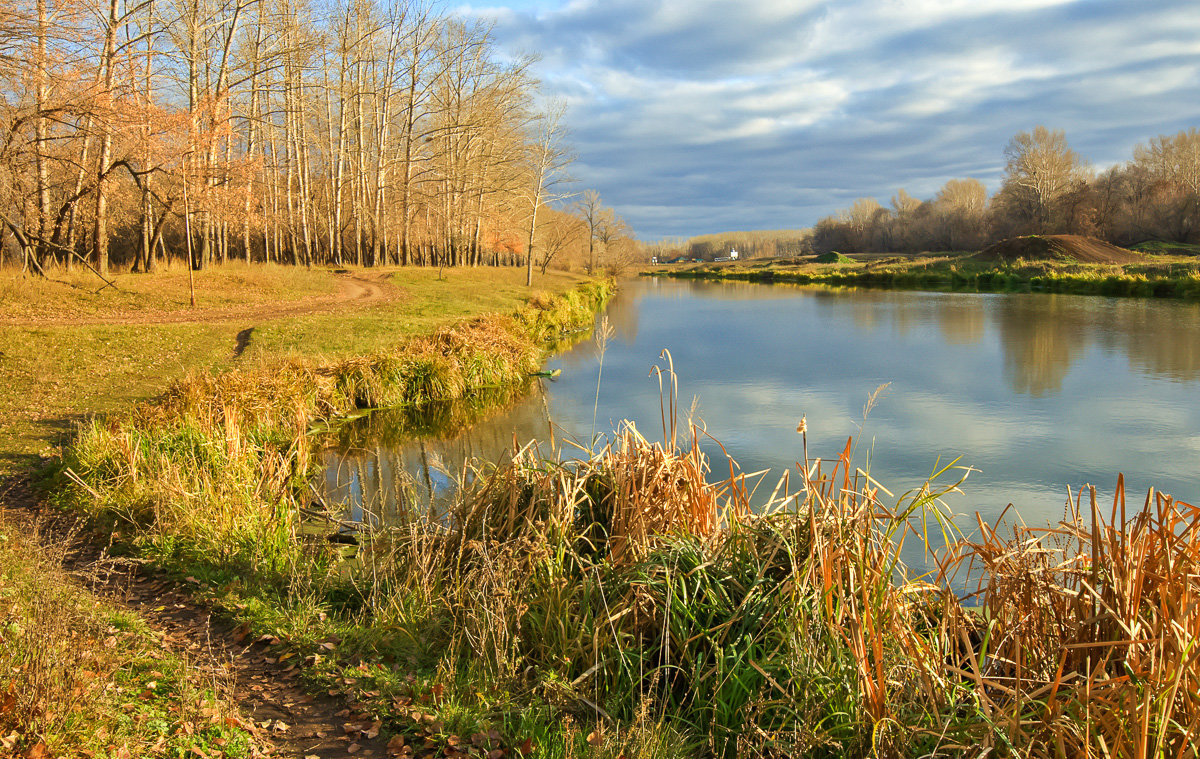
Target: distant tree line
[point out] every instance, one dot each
(356, 131)
(1047, 189)
(754, 244)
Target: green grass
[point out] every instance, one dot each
(206, 479)
(833, 257)
(80, 294)
(57, 374)
(83, 666)
(1162, 277)
(1162, 247)
(80, 677)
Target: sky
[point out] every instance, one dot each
(699, 116)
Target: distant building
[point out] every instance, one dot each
(733, 255)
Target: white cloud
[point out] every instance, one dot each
(769, 114)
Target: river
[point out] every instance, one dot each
(1035, 392)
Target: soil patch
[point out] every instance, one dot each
(1065, 248)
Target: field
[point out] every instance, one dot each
(67, 351)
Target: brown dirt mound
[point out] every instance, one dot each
(1072, 248)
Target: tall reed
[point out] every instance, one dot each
(636, 593)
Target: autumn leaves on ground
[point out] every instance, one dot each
(89, 664)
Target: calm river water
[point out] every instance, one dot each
(1037, 392)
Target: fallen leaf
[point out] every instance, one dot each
(353, 748)
(526, 747)
(39, 751)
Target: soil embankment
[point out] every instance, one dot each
(1065, 248)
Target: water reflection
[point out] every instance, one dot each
(395, 461)
(1037, 391)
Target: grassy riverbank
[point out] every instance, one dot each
(1159, 277)
(74, 671)
(627, 606)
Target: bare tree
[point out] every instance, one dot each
(1041, 168)
(548, 158)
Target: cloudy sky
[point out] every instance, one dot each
(696, 116)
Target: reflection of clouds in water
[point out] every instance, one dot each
(1038, 392)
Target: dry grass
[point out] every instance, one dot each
(642, 599)
(80, 294)
(1091, 629)
(81, 678)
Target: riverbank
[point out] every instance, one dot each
(69, 351)
(630, 606)
(1158, 277)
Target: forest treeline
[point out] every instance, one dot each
(748, 244)
(1048, 188)
(358, 132)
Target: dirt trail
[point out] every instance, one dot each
(288, 721)
(355, 290)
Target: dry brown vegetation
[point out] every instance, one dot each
(1063, 248)
(638, 596)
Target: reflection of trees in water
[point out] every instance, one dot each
(1159, 338)
(1041, 336)
(962, 320)
(622, 314)
(399, 461)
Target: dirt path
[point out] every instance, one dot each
(354, 290)
(288, 721)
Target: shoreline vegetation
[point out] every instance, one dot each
(629, 606)
(1158, 277)
(92, 677)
